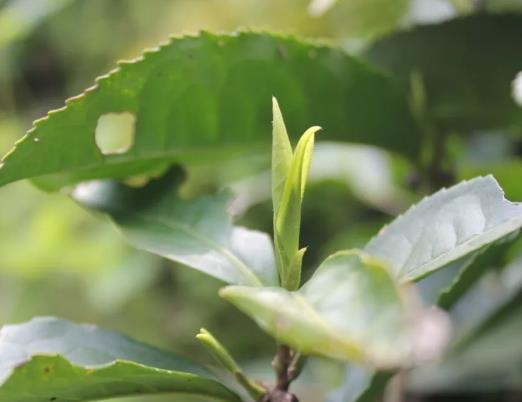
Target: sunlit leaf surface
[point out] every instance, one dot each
(445, 227)
(207, 98)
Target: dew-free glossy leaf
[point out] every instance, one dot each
(467, 66)
(287, 218)
(445, 227)
(282, 155)
(197, 232)
(350, 309)
(209, 95)
(48, 359)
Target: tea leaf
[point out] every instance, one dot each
(350, 309)
(209, 95)
(197, 233)
(48, 359)
(445, 227)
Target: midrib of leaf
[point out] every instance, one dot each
(178, 155)
(243, 268)
(487, 236)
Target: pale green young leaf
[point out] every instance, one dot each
(287, 219)
(49, 359)
(303, 160)
(217, 350)
(294, 272)
(225, 359)
(197, 233)
(282, 155)
(351, 309)
(445, 227)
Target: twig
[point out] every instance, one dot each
(287, 365)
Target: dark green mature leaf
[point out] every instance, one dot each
(197, 233)
(350, 309)
(209, 96)
(445, 227)
(467, 66)
(48, 359)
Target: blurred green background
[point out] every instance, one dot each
(56, 259)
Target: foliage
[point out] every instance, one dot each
(50, 359)
(151, 145)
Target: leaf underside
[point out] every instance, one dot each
(48, 359)
(197, 233)
(207, 97)
(445, 227)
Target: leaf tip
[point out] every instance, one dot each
(277, 115)
(202, 334)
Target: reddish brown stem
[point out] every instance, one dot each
(285, 374)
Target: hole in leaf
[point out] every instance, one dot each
(115, 133)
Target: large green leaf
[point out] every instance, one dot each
(350, 309)
(445, 227)
(487, 360)
(48, 359)
(467, 66)
(197, 233)
(208, 96)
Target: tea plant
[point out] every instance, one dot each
(353, 308)
(204, 98)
